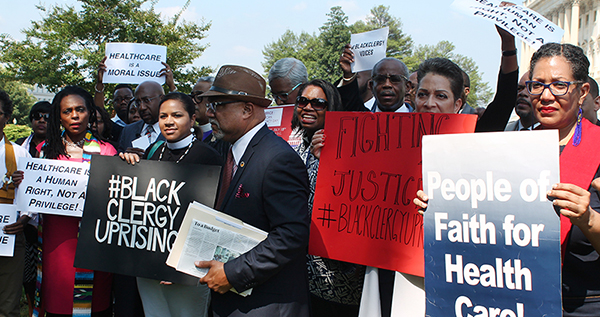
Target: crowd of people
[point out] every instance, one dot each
(222, 122)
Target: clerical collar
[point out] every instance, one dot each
(181, 143)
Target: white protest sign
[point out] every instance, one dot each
(8, 215)
(368, 48)
(133, 63)
(142, 142)
(52, 186)
(524, 23)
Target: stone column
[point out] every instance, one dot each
(574, 31)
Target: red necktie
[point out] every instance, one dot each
(226, 178)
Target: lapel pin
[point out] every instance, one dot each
(242, 164)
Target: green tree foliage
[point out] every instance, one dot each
(320, 53)
(288, 45)
(480, 93)
(335, 33)
(20, 96)
(399, 44)
(65, 47)
(15, 131)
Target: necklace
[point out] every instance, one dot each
(77, 144)
(182, 156)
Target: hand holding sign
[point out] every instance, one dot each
(168, 73)
(368, 48)
(346, 61)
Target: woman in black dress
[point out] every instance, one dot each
(176, 119)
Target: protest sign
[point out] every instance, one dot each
(368, 48)
(369, 173)
(524, 23)
(133, 63)
(279, 120)
(133, 213)
(492, 239)
(8, 215)
(52, 186)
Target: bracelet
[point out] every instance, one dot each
(174, 90)
(509, 53)
(349, 79)
(99, 91)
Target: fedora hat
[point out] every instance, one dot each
(241, 83)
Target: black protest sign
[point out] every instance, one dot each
(132, 215)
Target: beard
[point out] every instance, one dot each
(217, 133)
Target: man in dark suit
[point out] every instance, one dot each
(147, 98)
(263, 184)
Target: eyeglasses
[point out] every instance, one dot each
(212, 106)
(283, 96)
(395, 79)
(39, 116)
(145, 100)
(196, 96)
(122, 99)
(316, 103)
(557, 88)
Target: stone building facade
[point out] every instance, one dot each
(579, 19)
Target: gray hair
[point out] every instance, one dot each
(289, 68)
(209, 79)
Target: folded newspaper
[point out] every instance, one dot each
(207, 234)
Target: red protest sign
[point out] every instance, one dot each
(279, 120)
(370, 170)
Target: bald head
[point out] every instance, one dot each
(147, 97)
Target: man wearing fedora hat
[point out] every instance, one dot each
(264, 183)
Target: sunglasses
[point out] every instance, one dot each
(395, 79)
(317, 103)
(39, 116)
(283, 96)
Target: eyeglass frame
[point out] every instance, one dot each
(138, 102)
(118, 100)
(283, 96)
(196, 94)
(212, 106)
(547, 86)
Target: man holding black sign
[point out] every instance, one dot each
(264, 183)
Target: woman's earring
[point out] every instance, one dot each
(577, 135)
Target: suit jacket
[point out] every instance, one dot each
(131, 132)
(512, 126)
(351, 99)
(270, 191)
(467, 109)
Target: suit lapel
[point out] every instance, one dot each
(243, 165)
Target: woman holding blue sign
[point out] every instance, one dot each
(558, 87)
(67, 290)
(176, 118)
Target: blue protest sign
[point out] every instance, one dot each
(491, 237)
